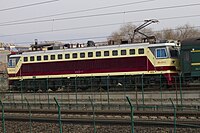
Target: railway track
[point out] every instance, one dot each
(184, 88)
(179, 114)
(109, 121)
(105, 120)
(113, 117)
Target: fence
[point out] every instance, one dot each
(104, 90)
(106, 93)
(91, 105)
(105, 83)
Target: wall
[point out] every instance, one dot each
(3, 72)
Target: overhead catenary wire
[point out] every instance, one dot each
(101, 37)
(78, 11)
(95, 26)
(102, 14)
(83, 38)
(28, 5)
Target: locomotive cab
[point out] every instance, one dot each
(164, 56)
(13, 60)
(13, 64)
(170, 54)
(165, 51)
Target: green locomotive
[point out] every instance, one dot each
(190, 60)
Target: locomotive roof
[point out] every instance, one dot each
(108, 47)
(191, 43)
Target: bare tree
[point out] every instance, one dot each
(126, 32)
(180, 33)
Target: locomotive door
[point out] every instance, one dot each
(186, 62)
(147, 60)
(150, 59)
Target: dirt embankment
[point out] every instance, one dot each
(3, 82)
(3, 70)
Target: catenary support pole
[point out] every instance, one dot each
(108, 93)
(59, 114)
(75, 83)
(143, 90)
(3, 117)
(94, 124)
(29, 109)
(161, 94)
(180, 81)
(174, 106)
(47, 84)
(132, 113)
(124, 89)
(21, 85)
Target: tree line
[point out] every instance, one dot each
(126, 32)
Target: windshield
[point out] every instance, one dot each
(173, 52)
(161, 52)
(13, 61)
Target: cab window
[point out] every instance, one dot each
(174, 53)
(13, 61)
(161, 53)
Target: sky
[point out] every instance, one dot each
(83, 20)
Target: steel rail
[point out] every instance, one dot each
(195, 114)
(110, 121)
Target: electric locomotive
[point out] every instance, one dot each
(81, 67)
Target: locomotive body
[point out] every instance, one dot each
(190, 61)
(66, 67)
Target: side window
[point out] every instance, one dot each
(45, 57)
(161, 53)
(132, 51)
(53, 57)
(59, 56)
(114, 52)
(38, 58)
(25, 59)
(74, 55)
(123, 52)
(98, 54)
(67, 56)
(90, 54)
(82, 55)
(141, 51)
(32, 58)
(106, 53)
